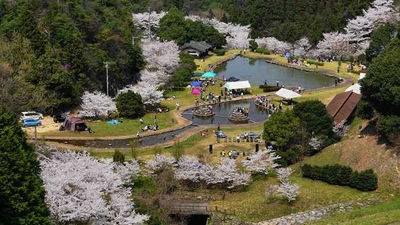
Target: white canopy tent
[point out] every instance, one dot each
(355, 88)
(286, 93)
(237, 85)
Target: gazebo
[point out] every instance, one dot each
(237, 85)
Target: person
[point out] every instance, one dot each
(138, 134)
(241, 94)
(265, 82)
(177, 105)
(277, 83)
(230, 154)
(219, 127)
(141, 120)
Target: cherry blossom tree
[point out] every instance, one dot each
(190, 169)
(237, 36)
(341, 128)
(148, 20)
(159, 163)
(150, 94)
(262, 161)
(226, 174)
(161, 56)
(302, 46)
(334, 44)
(290, 191)
(316, 143)
(80, 188)
(96, 104)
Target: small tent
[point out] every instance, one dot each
(286, 93)
(196, 84)
(75, 124)
(195, 91)
(208, 74)
(237, 85)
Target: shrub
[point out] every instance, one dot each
(342, 175)
(388, 127)
(364, 110)
(313, 62)
(130, 105)
(263, 51)
(219, 52)
(118, 157)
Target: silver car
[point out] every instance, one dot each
(31, 115)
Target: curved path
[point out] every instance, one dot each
(188, 129)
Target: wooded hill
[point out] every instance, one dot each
(287, 20)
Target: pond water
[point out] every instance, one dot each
(256, 71)
(124, 143)
(224, 109)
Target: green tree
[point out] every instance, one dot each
(21, 189)
(118, 157)
(172, 27)
(282, 128)
(314, 114)
(388, 127)
(253, 45)
(379, 39)
(130, 105)
(381, 86)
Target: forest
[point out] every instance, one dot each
(287, 20)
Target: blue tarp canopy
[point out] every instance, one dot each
(114, 122)
(208, 75)
(196, 84)
(232, 79)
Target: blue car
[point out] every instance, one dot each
(29, 122)
(220, 134)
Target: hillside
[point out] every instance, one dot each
(285, 20)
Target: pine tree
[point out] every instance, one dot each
(21, 188)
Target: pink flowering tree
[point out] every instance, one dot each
(96, 104)
(159, 163)
(262, 161)
(161, 56)
(288, 190)
(80, 188)
(148, 21)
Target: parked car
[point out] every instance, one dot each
(60, 117)
(251, 134)
(30, 122)
(31, 115)
(220, 134)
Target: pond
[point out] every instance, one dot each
(256, 71)
(224, 109)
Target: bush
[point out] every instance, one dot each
(118, 157)
(364, 110)
(342, 175)
(130, 105)
(313, 62)
(219, 52)
(263, 51)
(388, 128)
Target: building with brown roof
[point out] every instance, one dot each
(343, 105)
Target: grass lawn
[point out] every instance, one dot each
(384, 213)
(127, 127)
(252, 205)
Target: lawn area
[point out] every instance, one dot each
(127, 127)
(213, 60)
(252, 205)
(384, 213)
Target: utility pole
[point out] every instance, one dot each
(106, 63)
(36, 143)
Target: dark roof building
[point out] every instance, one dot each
(343, 105)
(197, 48)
